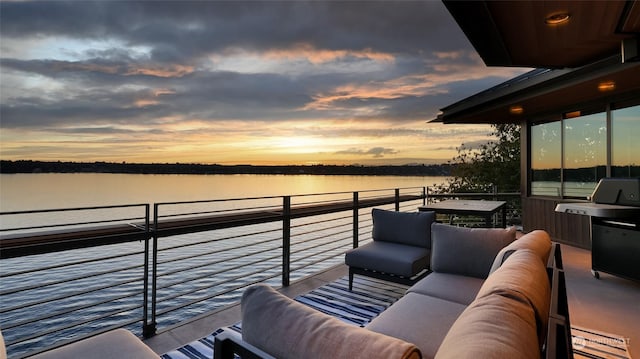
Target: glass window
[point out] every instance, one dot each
(546, 160)
(585, 153)
(625, 142)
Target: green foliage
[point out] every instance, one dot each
(496, 163)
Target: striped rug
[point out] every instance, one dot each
(369, 298)
(593, 344)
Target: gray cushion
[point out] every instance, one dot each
(537, 241)
(389, 258)
(457, 288)
(467, 251)
(418, 319)
(285, 329)
(412, 228)
(494, 326)
(115, 344)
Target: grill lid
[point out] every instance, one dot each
(614, 198)
(623, 191)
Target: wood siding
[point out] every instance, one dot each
(539, 213)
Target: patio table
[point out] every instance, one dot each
(484, 209)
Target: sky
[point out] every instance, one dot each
(236, 82)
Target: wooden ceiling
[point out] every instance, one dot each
(514, 33)
(572, 58)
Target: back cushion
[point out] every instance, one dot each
(494, 326)
(523, 275)
(412, 228)
(286, 329)
(537, 241)
(467, 251)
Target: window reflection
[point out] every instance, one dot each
(625, 142)
(546, 146)
(585, 154)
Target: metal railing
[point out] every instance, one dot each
(68, 274)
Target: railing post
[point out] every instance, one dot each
(286, 239)
(397, 199)
(145, 292)
(424, 195)
(356, 207)
(149, 328)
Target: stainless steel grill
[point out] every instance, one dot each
(614, 211)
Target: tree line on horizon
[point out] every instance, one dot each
(30, 166)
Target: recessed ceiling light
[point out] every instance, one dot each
(516, 110)
(606, 86)
(572, 114)
(557, 18)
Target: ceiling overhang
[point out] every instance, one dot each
(517, 33)
(581, 62)
(544, 92)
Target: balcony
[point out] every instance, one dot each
(173, 272)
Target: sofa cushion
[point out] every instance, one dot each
(457, 288)
(493, 326)
(389, 257)
(523, 274)
(418, 319)
(285, 328)
(411, 228)
(467, 251)
(114, 344)
(537, 241)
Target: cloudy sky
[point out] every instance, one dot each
(230, 82)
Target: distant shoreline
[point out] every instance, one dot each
(28, 166)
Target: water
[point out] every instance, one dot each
(235, 255)
(63, 190)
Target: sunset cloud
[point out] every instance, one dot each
(235, 81)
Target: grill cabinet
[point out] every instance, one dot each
(614, 213)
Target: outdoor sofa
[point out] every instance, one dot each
(488, 296)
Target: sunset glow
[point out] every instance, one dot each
(235, 82)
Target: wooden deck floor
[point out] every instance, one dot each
(609, 304)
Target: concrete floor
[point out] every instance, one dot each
(610, 304)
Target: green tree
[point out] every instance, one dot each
(496, 163)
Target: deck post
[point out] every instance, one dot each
(424, 195)
(286, 239)
(149, 327)
(397, 199)
(356, 207)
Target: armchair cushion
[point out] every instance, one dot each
(467, 251)
(411, 228)
(285, 328)
(114, 344)
(387, 257)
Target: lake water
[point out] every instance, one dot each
(179, 261)
(64, 190)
